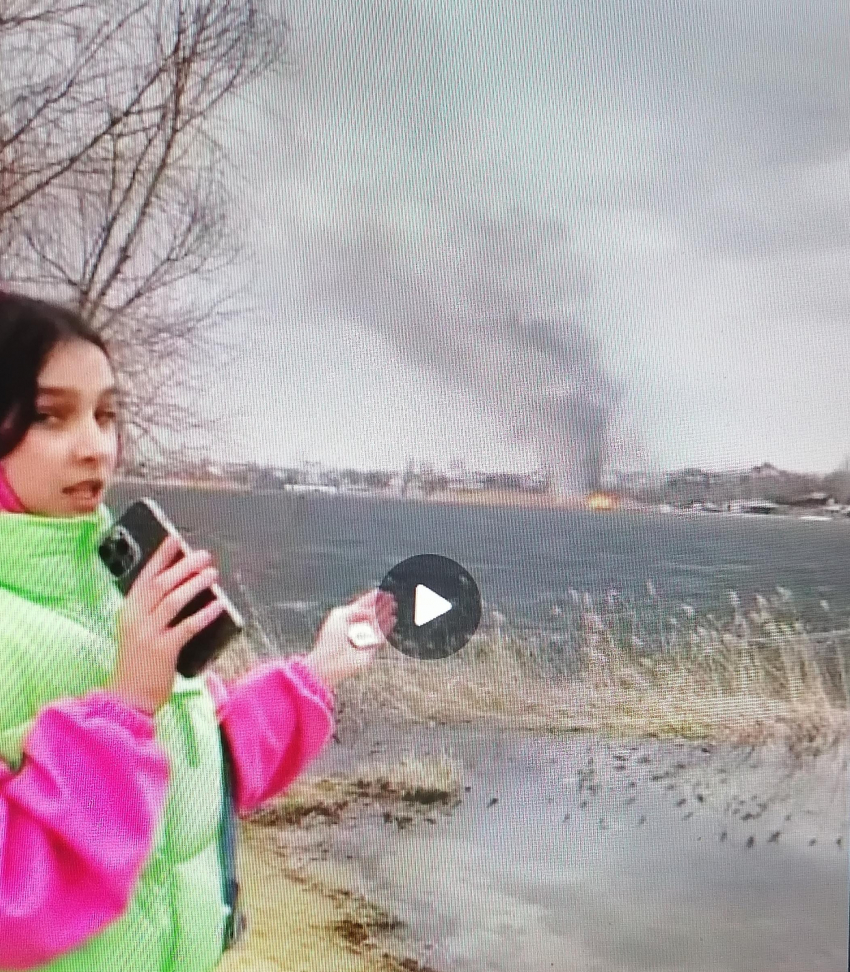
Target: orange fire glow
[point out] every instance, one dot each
(601, 501)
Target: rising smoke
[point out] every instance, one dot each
(500, 308)
(437, 180)
(568, 414)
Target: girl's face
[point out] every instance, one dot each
(74, 437)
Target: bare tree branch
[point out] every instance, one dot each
(114, 192)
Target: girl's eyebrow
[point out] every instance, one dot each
(71, 392)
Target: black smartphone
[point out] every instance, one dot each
(130, 544)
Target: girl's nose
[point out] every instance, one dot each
(94, 442)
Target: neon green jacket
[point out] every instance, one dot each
(115, 814)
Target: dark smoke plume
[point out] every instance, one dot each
(499, 308)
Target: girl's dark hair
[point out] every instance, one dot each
(29, 331)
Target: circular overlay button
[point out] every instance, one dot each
(439, 606)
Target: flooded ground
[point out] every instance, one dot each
(579, 855)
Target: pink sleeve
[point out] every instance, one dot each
(76, 825)
(277, 719)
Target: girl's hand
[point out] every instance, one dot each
(148, 645)
(334, 658)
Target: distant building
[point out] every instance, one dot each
(753, 506)
(312, 473)
(812, 500)
(308, 488)
(466, 481)
(766, 471)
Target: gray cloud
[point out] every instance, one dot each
(502, 192)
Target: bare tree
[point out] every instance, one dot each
(113, 186)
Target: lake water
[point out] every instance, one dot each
(678, 858)
(296, 556)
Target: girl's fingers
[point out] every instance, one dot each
(387, 602)
(366, 599)
(373, 598)
(366, 606)
(386, 619)
(169, 548)
(359, 617)
(375, 607)
(370, 609)
(164, 554)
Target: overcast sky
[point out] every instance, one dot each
(665, 184)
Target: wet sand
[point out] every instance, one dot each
(576, 854)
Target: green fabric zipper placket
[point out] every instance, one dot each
(187, 729)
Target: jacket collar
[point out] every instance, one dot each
(54, 562)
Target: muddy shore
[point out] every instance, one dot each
(574, 853)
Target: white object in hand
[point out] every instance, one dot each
(362, 634)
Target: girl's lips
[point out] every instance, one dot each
(85, 492)
(89, 485)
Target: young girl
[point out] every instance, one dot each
(112, 812)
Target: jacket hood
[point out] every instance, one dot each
(54, 562)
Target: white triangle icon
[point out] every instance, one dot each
(428, 605)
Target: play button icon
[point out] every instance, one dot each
(439, 606)
(428, 605)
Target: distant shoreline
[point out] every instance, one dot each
(491, 498)
(459, 497)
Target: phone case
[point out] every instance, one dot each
(130, 544)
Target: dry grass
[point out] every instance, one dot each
(758, 676)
